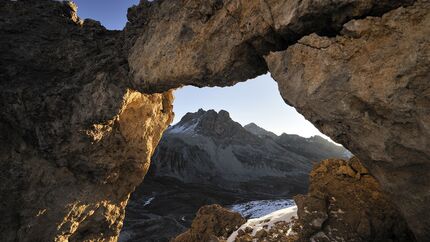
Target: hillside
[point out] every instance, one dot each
(208, 158)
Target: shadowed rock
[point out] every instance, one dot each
(75, 141)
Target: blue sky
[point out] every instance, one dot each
(256, 100)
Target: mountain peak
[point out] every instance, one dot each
(203, 113)
(206, 122)
(259, 131)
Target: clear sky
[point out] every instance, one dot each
(256, 100)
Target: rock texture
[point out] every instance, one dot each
(69, 161)
(212, 223)
(75, 141)
(221, 42)
(369, 89)
(345, 203)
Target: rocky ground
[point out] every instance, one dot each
(344, 203)
(173, 207)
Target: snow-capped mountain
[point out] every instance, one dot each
(208, 158)
(260, 208)
(209, 147)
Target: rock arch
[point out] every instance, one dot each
(83, 107)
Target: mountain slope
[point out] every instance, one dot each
(208, 147)
(208, 158)
(260, 132)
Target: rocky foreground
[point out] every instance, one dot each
(344, 203)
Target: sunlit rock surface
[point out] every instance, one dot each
(222, 42)
(75, 141)
(346, 203)
(368, 88)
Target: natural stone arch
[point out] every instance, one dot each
(69, 97)
(355, 87)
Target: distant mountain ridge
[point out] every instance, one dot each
(260, 132)
(208, 158)
(208, 146)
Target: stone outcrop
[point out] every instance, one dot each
(75, 141)
(346, 203)
(369, 89)
(77, 136)
(212, 223)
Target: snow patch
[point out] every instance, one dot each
(189, 129)
(147, 202)
(269, 220)
(255, 209)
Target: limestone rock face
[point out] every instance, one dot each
(212, 223)
(368, 88)
(222, 42)
(347, 207)
(75, 141)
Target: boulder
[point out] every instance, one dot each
(212, 223)
(339, 207)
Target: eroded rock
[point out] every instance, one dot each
(368, 89)
(341, 207)
(337, 208)
(222, 42)
(212, 223)
(75, 141)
